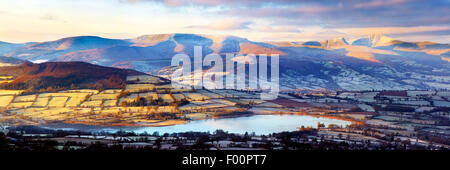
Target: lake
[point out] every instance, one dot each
(260, 124)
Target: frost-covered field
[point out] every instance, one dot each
(27, 98)
(196, 96)
(41, 102)
(58, 101)
(144, 79)
(139, 87)
(92, 103)
(5, 100)
(166, 98)
(104, 96)
(10, 92)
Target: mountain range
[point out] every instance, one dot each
(371, 62)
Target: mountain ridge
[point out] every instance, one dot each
(373, 62)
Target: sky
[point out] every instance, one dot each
(258, 20)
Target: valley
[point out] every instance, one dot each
(377, 92)
(149, 104)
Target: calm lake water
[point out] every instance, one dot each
(260, 124)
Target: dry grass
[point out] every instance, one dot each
(27, 98)
(110, 103)
(139, 87)
(75, 101)
(166, 86)
(20, 104)
(41, 101)
(10, 92)
(106, 96)
(6, 77)
(212, 95)
(82, 91)
(5, 81)
(179, 96)
(5, 100)
(166, 98)
(92, 103)
(196, 96)
(59, 101)
(111, 91)
(153, 95)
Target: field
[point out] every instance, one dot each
(152, 95)
(110, 103)
(166, 98)
(88, 106)
(41, 101)
(269, 104)
(75, 100)
(223, 101)
(139, 87)
(91, 103)
(212, 95)
(6, 79)
(10, 92)
(111, 91)
(144, 79)
(81, 91)
(104, 96)
(165, 86)
(5, 100)
(59, 101)
(134, 96)
(196, 96)
(127, 99)
(27, 98)
(181, 90)
(178, 97)
(21, 104)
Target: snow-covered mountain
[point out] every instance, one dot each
(7, 47)
(51, 50)
(372, 62)
(374, 40)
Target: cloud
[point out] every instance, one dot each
(280, 19)
(379, 3)
(232, 3)
(278, 28)
(328, 13)
(348, 17)
(399, 30)
(319, 35)
(224, 24)
(48, 17)
(353, 13)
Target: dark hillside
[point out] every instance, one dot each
(64, 75)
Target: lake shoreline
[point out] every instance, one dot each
(261, 123)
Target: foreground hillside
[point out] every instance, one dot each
(56, 75)
(373, 62)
